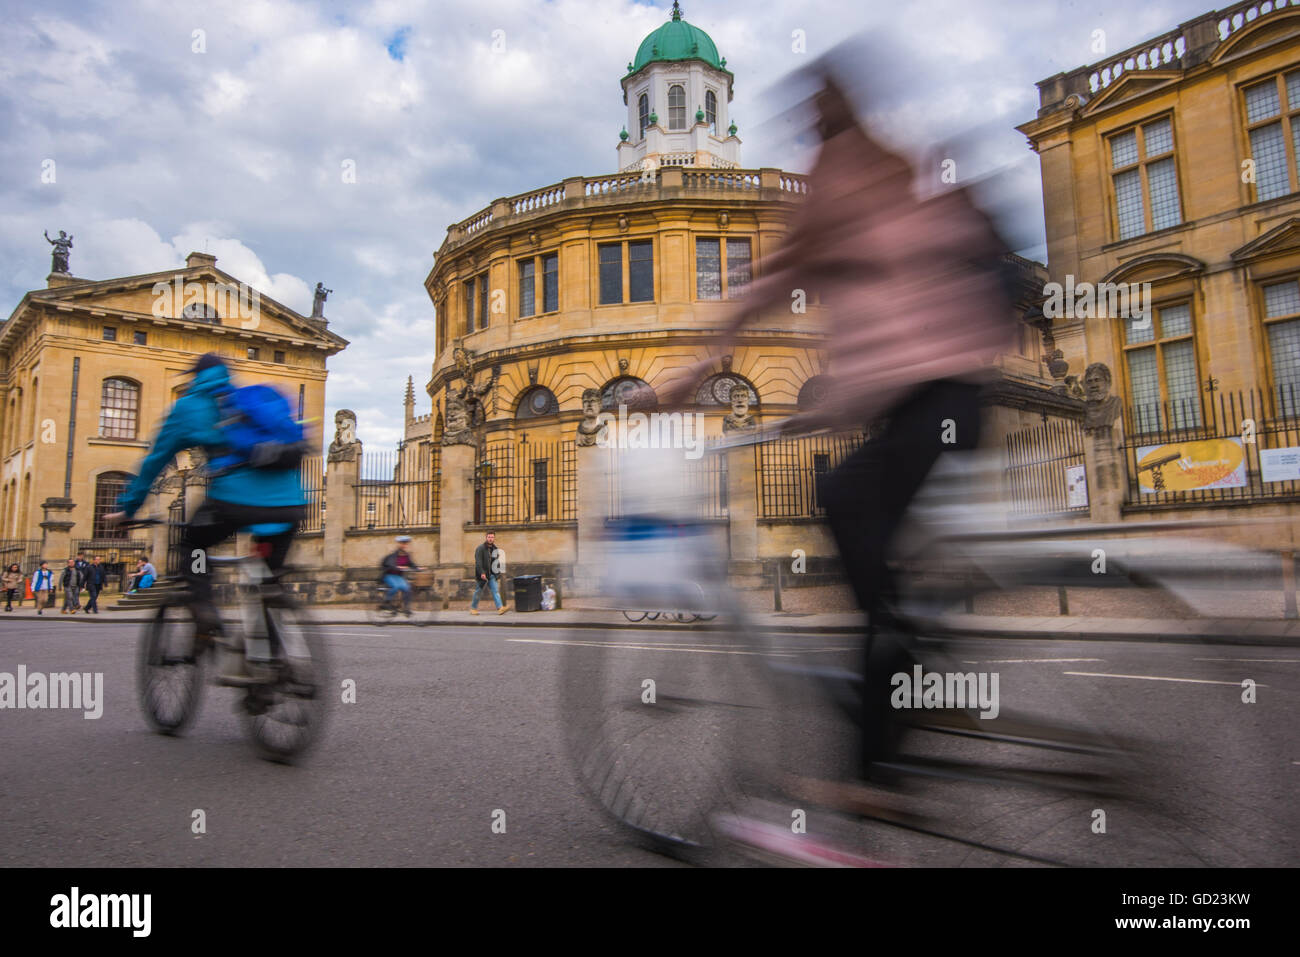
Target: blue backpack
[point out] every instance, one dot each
(259, 430)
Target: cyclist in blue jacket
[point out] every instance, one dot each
(236, 498)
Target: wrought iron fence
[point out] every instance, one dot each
(398, 489)
(1232, 447)
(790, 472)
(25, 552)
(1043, 462)
(704, 482)
(119, 556)
(313, 484)
(521, 483)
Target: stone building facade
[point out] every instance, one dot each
(88, 370)
(1171, 174)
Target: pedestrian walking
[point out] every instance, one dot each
(11, 582)
(43, 587)
(96, 579)
(83, 566)
(70, 581)
(488, 567)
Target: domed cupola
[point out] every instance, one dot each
(675, 65)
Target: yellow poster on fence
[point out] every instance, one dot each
(1186, 466)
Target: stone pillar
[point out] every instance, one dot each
(455, 549)
(742, 510)
(340, 502)
(1107, 474)
(593, 507)
(56, 530)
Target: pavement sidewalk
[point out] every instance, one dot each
(1220, 630)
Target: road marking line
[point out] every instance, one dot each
(632, 647)
(1029, 661)
(1293, 661)
(1195, 681)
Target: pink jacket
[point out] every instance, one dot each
(912, 289)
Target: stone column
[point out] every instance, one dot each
(593, 508)
(1107, 473)
(742, 510)
(455, 549)
(340, 502)
(56, 530)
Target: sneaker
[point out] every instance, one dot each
(501, 610)
(473, 611)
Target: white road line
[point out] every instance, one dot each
(1294, 661)
(631, 647)
(1194, 681)
(1030, 661)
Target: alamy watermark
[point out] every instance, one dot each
(241, 301)
(654, 430)
(934, 689)
(1110, 300)
(82, 691)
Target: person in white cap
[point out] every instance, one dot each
(393, 573)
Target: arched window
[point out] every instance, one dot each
(676, 107)
(629, 391)
(711, 110)
(814, 392)
(119, 409)
(643, 112)
(536, 402)
(108, 486)
(716, 389)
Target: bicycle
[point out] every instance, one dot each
(682, 617)
(284, 696)
(678, 740)
(381, 611)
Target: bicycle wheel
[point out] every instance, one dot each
(380, 612)
(666, 734)
(635, 615)
(170, 670)
(284, 718)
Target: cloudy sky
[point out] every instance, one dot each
(233, 140)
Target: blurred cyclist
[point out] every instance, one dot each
(918, 307)
(241, 492)
(393, 570)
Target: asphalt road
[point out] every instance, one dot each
(453, 725)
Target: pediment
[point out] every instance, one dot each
(203, 294)
(1282, 22)
(1132, 84)
(1155, 267)
(1284, 237)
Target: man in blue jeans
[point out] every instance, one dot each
(486, 570)
(393, 573)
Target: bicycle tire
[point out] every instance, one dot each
(663, 769)
(170, 667)
(292, 710)
(380, 613)
(635, 615)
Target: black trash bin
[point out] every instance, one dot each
(528, 593)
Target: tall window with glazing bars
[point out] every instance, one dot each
(1145, 178)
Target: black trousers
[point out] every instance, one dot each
(212, 524)
(92, 599)
(866, 498)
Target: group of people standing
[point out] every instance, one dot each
(80, 574)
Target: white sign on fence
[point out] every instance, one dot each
(1279, 465)
(1076, 486)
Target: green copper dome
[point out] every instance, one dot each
(677, 40)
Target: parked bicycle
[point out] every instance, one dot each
(682, 617)
(287, 671)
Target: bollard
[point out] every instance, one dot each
(1063, 603)
(1288, 584)
(776, 587)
